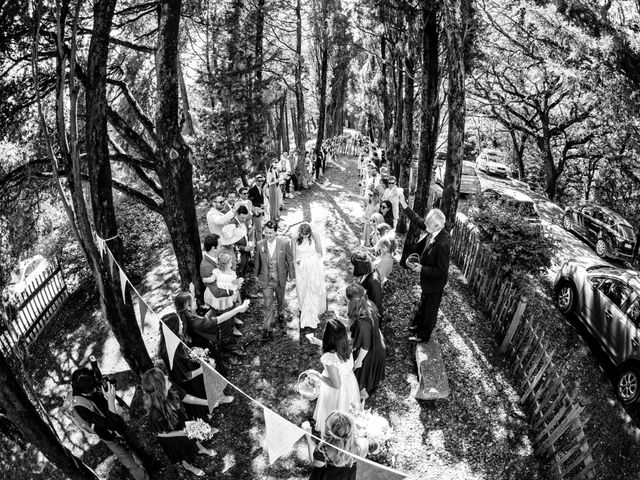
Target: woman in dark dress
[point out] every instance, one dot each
(369, 278)
(369, 350)
(329, 463)
(186, 372)
(167, 417)
(386, 210)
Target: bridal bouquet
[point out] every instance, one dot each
(198, 430)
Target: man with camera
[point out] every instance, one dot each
(93, 410)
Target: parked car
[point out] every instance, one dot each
(26, 272)
(492, 162)
(607, 300)
(514, 199)
(609, 233)
(469, 181)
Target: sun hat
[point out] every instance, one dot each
(230, 234)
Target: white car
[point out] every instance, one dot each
(493, 162)
(26, 272)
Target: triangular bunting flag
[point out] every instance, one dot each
(281, 435)
(172, 342)
(142, 307)
(123, 284)
(373, 471)
(214, 385)
(110, 257)
(100, 245)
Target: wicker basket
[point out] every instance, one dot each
(305, 393)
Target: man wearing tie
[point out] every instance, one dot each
(273, 267)
(433, 249)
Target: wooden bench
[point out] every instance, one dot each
(433, 383)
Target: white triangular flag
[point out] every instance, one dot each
(110, 257)
(214, 385)
(368, 470)
(281, 435)
(100, 245)
(171, 341)
(123, 284)
(142, 307)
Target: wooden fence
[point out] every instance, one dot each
(39, 302)
(555, 414)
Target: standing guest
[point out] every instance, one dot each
(210, 331)
(375, 221)
(310, 286)
(433, 268)
(274, 193)
(218, 216)
(273, 267)
(208, 264)
(386, 210)
(339, 388)
(368, 277)
(285, 174)
(167, 417)
(369, 350)
(384, 261)
(243, 193)
(229, 236)
(186, 372)
(227, 280)
(327, 461)
(384, 229)
(393, 193)
(293, 178)
(232, 198)
(256, 197)
(95, 411)
(243, 245)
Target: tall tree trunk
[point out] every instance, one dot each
(15, 401)
(322, 104)
(387, 119)
(407, 123)
(551, 175)
(519, 145)
(117, 310)
(398, 118)
(285, 125)
(429, 118)
(174, 170)
(300, 125)
(455, 25)
(186, 118)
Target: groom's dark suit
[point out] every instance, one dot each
(273, 271)
(434, 259)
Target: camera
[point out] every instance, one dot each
(100, 379)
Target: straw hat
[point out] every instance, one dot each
(230, 234)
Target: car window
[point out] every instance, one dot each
(633, 312)
(30, 268)
(588, 211)
(616, 291)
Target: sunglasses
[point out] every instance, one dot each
(244, 193)
(384, 207)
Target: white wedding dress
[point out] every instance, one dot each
(312, 293)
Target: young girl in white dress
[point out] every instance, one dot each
(310, 286)
(226, 278)
(339, 389)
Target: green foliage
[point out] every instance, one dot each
(521, 248)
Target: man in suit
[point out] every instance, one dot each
(243, 245)
(433, 249)
(274, 266)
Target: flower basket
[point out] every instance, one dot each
(308, 386)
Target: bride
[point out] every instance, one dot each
(312, 294)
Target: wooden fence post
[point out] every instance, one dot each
(513, 326)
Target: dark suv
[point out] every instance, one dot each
(610, 234)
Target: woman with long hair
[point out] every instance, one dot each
(375, 220)
(369, 350)
(310, 287)
(368, 277)
(339, 388)
(273, 190)
(383, 263)
(386, 210)
(186, 372)
(328, 462)
(209, 331)
(163, 403)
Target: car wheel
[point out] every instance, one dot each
(565, 297)
(601, 248)
(628, 384)
(567, 223)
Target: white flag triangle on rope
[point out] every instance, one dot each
(110, 257)
(123, 284)
(214, 385)
(100, 245)
(281, 435)
(368, 470)
(172, 342)
(142, 307)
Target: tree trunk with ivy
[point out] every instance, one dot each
(300, 124)
(174, 169)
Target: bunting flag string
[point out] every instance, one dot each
(281, 434)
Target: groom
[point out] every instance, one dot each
(273, 266)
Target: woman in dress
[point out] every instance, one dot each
(339, 388)
(369, 350)
(369, 278)
(186, 372)
(329, 463)
(274, 192)
(376, 220)
(384, 262)
(226, 279)
(310, 287)
(163, 403)
(386, 210)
